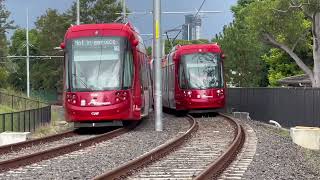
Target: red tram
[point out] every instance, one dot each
(107, 75)
(193, 78)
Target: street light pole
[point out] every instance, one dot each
(78, 12)
(157, 62)
(28, 54)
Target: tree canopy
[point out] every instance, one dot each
(5, 25)
(273, 38)
(96, 11)
(289, 25)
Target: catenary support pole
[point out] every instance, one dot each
(28, 54)
(78, 12)
(124, 10)
(157, 63)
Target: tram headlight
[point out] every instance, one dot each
(74, 101)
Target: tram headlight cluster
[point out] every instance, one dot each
(72, 98)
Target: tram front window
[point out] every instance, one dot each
(100, 63)
(200, 71)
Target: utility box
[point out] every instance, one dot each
(307, 137)
(13, 137)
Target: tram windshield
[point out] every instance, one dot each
(200, 71)
(101, 63)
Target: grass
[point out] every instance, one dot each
(282, 132)
(5, 109)
(20, 101)
(56, 126)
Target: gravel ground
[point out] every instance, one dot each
(43, 147)
(92, 161)
(277, 157)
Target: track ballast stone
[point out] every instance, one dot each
(43, 147)
(95, 160)
(277, 157)
(213, 137)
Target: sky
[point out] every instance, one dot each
(212, 23)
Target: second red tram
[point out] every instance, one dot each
(107, 75)
(193, 78)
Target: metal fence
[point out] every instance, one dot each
(25, 121)
(22, 114)
(288, 106)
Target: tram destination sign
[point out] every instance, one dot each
(95, 43)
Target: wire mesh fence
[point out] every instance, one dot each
(15, 103)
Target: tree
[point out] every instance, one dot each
(5, 25)
(286, 25)
(243, 64)
(96, 11)
(169, 46)
(51, 28)
(17, 77)
(280, 66)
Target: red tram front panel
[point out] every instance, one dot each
(193, 78)
(103, 74)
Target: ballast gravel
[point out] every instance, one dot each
(95, 160)
(277, 157)
(43, 147)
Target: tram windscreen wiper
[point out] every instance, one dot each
(82, 82)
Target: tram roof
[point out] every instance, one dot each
(199, 46)
(127, 28)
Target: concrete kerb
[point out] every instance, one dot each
(13, 137)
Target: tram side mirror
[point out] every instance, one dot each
(223, 56)
(62, 45)
(135, 43)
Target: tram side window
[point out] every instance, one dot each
(182, 77)
(128, 70)
(66, 73)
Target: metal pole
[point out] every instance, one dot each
(157, 61)
(28, 59)
(78, 12)
(188, 32)
(124, 10)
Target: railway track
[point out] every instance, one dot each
(17, 155)
(26, 144)
(203, 152)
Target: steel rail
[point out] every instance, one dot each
(131, 167)
(58, 151)
(211, 172)
(215, 169)
(21, 145)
